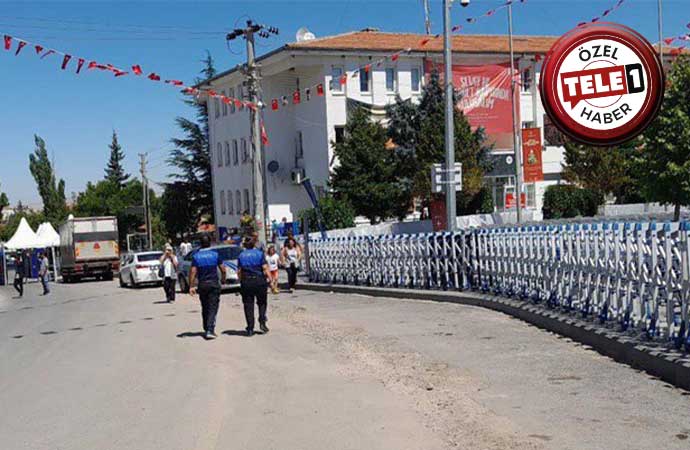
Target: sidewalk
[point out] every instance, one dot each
(656, 358)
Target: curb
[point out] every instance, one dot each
(654, 358)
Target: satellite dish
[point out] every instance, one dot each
(273, 166)
(303, 34)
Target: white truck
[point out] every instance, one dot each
(89, 248)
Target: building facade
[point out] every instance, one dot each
(301, 134)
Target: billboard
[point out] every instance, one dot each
(484, 98)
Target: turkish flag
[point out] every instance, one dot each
(319, 90)
(20, 47)
(39, 49)
(80, 63)
(274, 104)
(65, 61)
(137, 69)
(238, 104)
(264, 136)
(119, 73)
(343, 79)
(395, 56)
(154, 77)
(296, 98)
(49, 52)
(8, 42)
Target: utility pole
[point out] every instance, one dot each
(451, 219)
(255, 120)
(516, 127)
(661, 33)
(145, 198)
(427, 19)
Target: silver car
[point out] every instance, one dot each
(141, 268)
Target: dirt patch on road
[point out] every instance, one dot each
(439, 393)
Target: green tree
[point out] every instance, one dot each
(603, 170)
(8, 229)
(336, 214)
(4, 202)
(192, 156)
(663, 161)
(52, 192)
(114, 172)
(177, 209)
(419, 130)
(366, 176)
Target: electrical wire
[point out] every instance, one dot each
(172, 28)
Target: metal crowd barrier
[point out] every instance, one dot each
(633, 275)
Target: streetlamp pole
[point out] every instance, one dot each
(451, 217)
(516, 128)
(661, 33)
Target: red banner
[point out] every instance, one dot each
(531, 155)
(484, 97)
(437, 211)
(510, 200)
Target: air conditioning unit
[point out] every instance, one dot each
(297, 175)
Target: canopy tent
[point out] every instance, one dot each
(24, 238)
(47, 234)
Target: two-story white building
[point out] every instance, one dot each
(301, 135)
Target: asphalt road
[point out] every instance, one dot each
(93, 366)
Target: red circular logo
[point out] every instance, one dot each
(602, 84)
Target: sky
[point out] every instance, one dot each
(76, 114)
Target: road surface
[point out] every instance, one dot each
(94, 366)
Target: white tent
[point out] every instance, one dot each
(24, 238)
(47, 234)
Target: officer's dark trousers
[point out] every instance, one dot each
(254, 289)
(209, 294)
(19, 285)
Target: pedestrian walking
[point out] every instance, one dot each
(185, 247)
(254, 275)
(169, 268)
(205, 267)
(44, 272)
(290, 256)
(19, 274)
(273, 261)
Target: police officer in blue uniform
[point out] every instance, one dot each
(205, 266)
(253, 274)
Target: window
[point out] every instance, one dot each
(391, 85)
(235, 153)
(416, 79)
(245, 152)
(364, 80)
(220, 155)
(216, 106)
(526, 80)
(231, 94)
(246, 200)
(230, 204)
(339, 134)
(238, 202)
(225, 106)
(222, 202)
(227, 153)
(336, 73)
(299, 146)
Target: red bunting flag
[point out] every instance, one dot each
(80, 63)
(137, 69)
(424, 42)
(65, 61)
(669, 41)
(39, 49)
(119, 73)
(8, 42)
(367, 68)
(174, 82)
(211, 92)
(264, 135)
(250, 105)
(395, 56)
(239, 104)
(154, 77)
(49, 52)
(537, 57)
(274, 104)
(225, 99)
(456, 28)
(92, 65)
(20, 47)
(343, 79)
(296, 98)
(319, 90)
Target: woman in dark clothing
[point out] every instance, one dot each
(19, 274)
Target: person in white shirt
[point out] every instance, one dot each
(272, 259)
(169, 263)
(185, 247)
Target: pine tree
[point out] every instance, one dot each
(663, 162)
(52, 192)
(366, 175)
(4, 202)
(114, 172)
(192, 155)
(419, 130)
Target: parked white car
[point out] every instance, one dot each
(140, 268)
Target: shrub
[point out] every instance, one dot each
(336, 214)
(565, 200)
